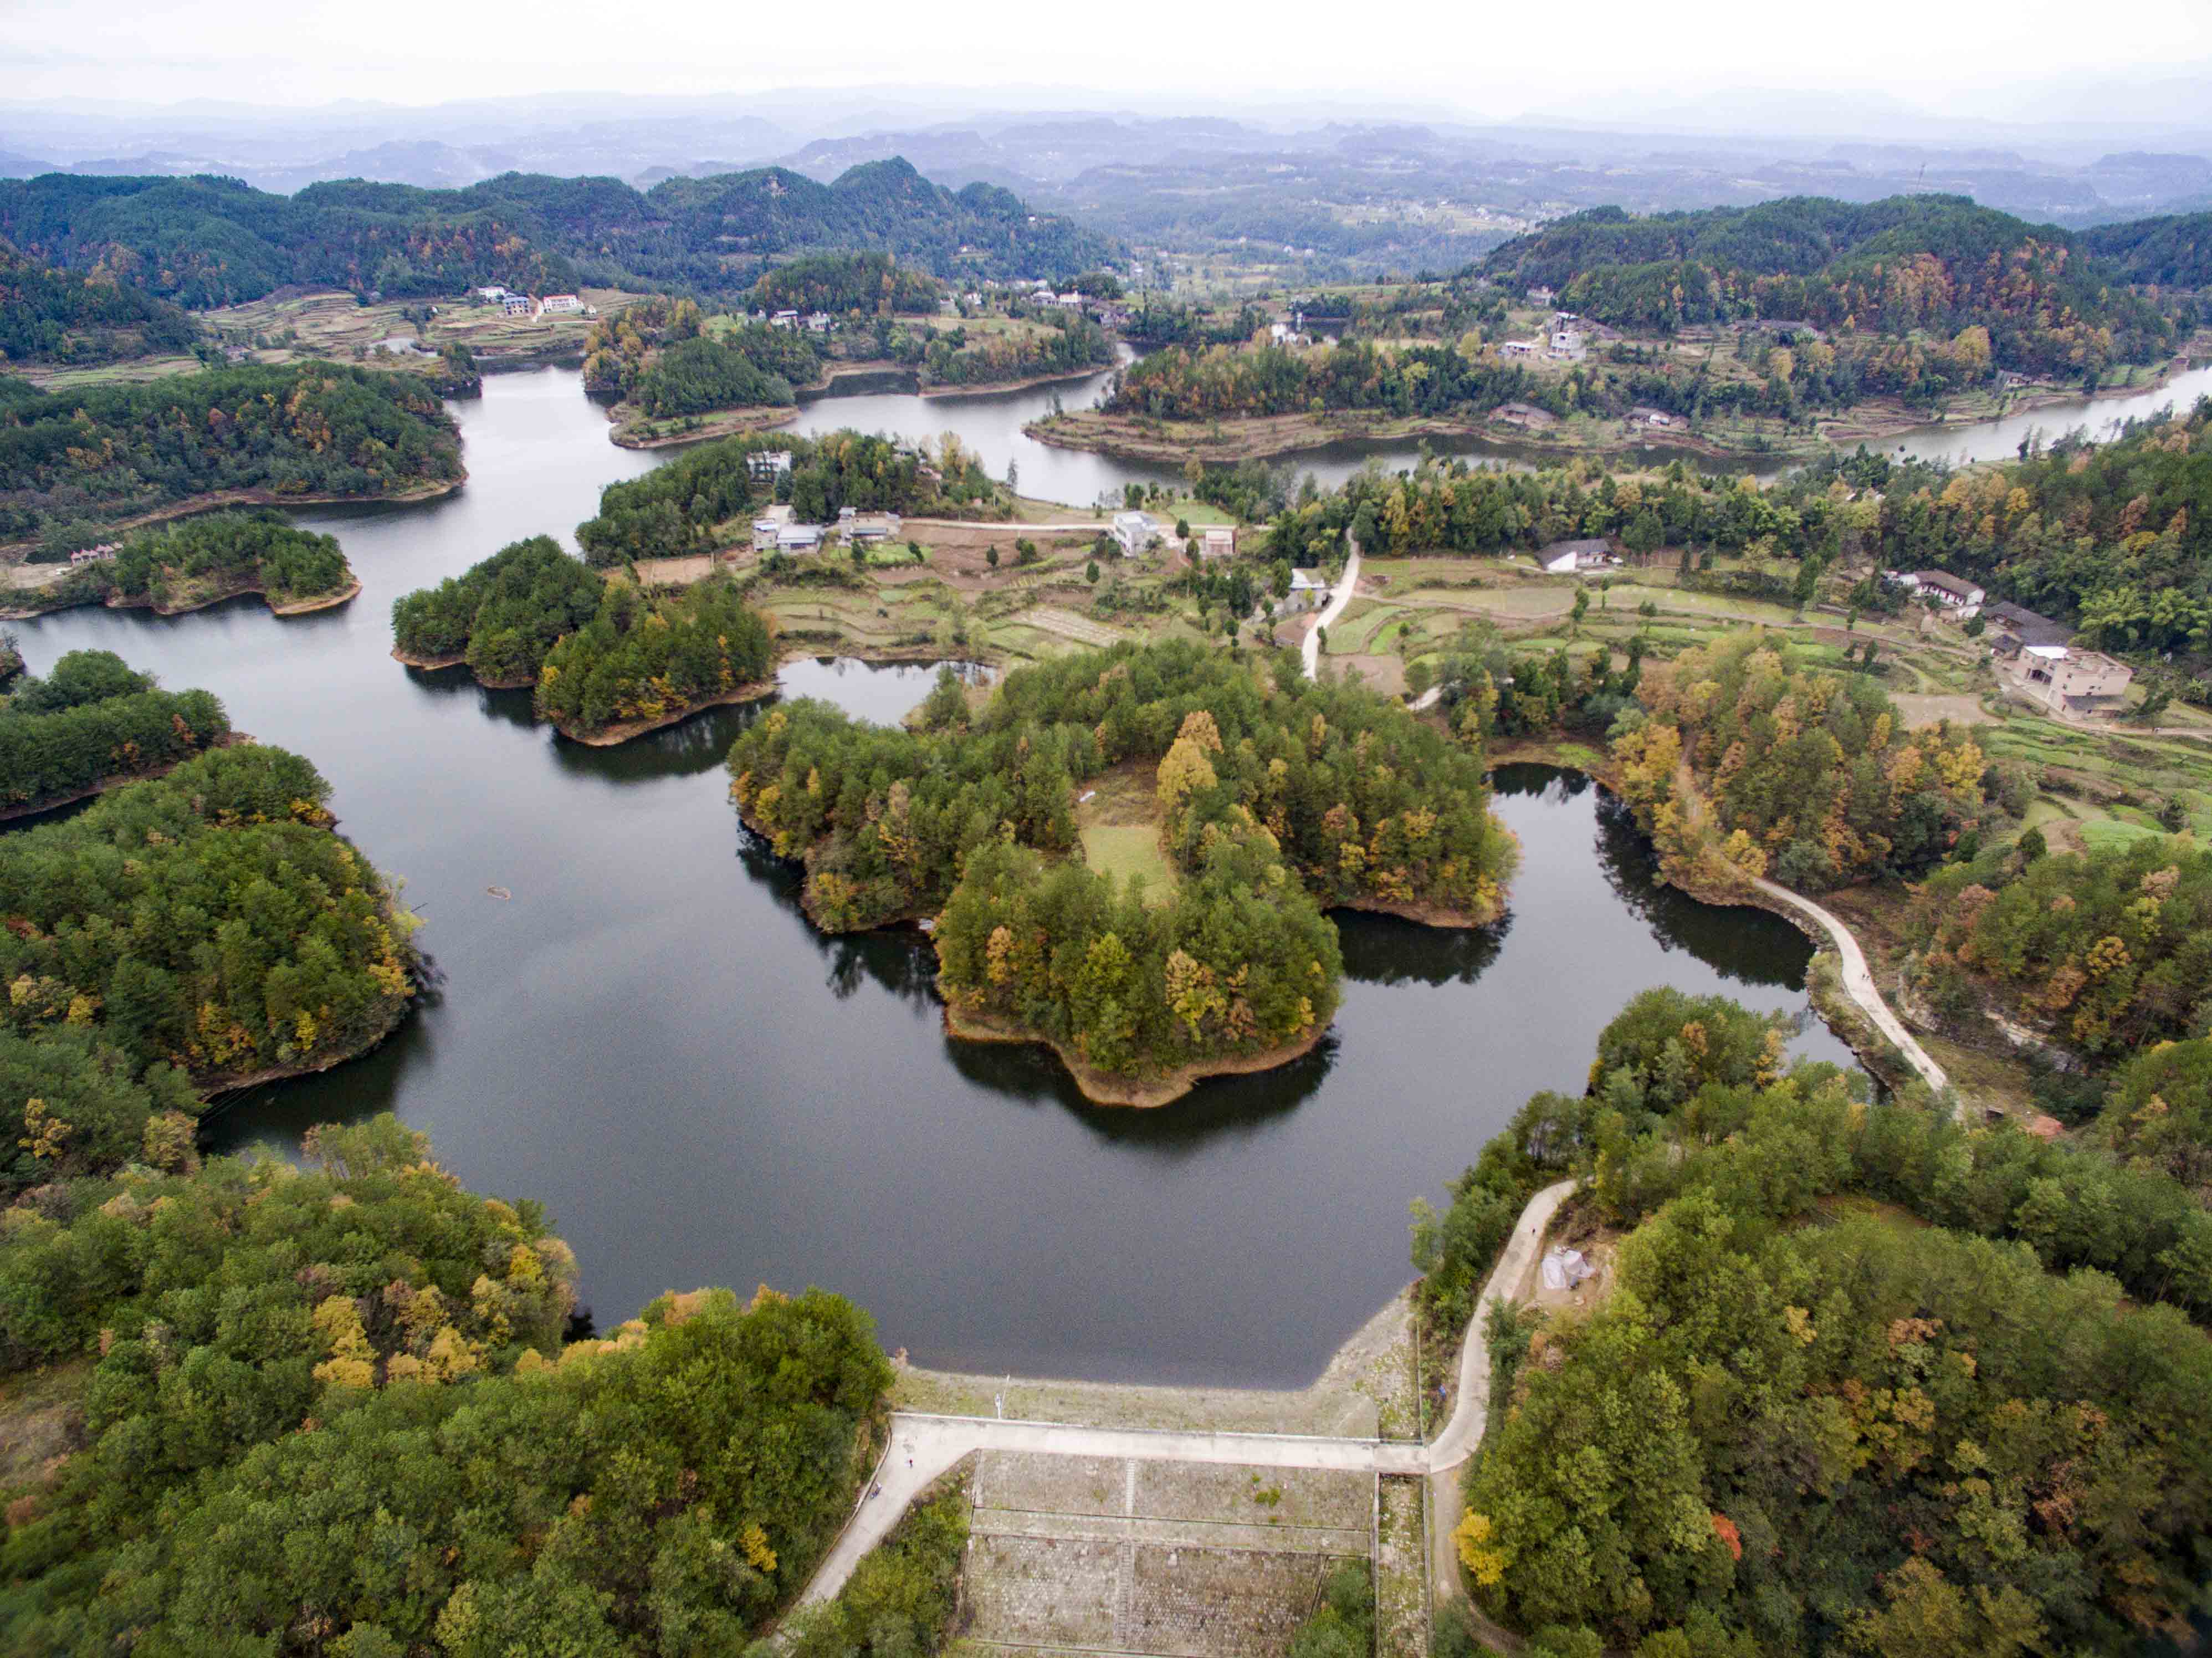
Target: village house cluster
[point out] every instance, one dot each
(525, 304)
(2034, 656)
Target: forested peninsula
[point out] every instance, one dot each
(77, 463)
(92, 723)
(187, 935)
(203, 561)
(1276, 798)
(1859, 1377)
(303, 1387)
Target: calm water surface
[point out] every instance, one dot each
(649, 1036)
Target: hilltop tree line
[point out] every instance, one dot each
(1794, 1424)
(873, 284)
(206, 242)
(93, 721)
(91, 455)
(1937, 264)
(1275, 797)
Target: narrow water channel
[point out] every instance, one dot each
(649, 1037)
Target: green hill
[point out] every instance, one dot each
(209, 241)
(1932, 265)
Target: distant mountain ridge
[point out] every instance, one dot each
(1937, 264)
(207, 241)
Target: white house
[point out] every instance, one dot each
(1516, 348)
(1135, 531)
(517, 305)
(1567, 346)
(798, 538)
(1219, 542)
(767, 463)
(1071, 302)
(105, 552)
(858, 527)
(765, 530)
(494, 293)
(1308, 589)
(1566, 557)
(2065, 680)
(1541, 296)
(1952, 592)
(784, 319)
(818, 322)
(560, 305)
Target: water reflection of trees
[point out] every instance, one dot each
(901, 962)
(1739, 941)
(1382, 950)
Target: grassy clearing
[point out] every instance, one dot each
(1127, 850)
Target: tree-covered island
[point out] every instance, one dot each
(195, 562)
(1272, 798)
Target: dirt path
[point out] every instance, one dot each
(923, 1446)
(1337, 600)
(1858, 982)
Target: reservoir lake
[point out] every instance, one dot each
(650, 1038)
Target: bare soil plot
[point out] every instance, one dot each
(1926, 709)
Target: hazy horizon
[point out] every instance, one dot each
(1732, 65)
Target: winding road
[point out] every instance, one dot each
(922, 1446)
(1345, 588)
(1858, 981)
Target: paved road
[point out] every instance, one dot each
(923, 1447)
(1337, 601)
(1858, 982)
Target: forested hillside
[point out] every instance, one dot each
(841, 282)
(1736, 760)
(330, 1409)
(208, 919)
(90, 456)
(1936, 263)
(51, 315)
(93, 722)
(1847, 1388)
(2115, 536)
(2174, 251)
(204, 241)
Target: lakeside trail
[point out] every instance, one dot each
(924, 1445)
(1344, 588)
(1858, 981)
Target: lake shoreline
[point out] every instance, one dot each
(17, 552)
(307, 606)
(118, 779)
(1103, 1088)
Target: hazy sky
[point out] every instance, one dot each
(1969, 56)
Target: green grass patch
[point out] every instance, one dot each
(2109, 834)
(1124, 850)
